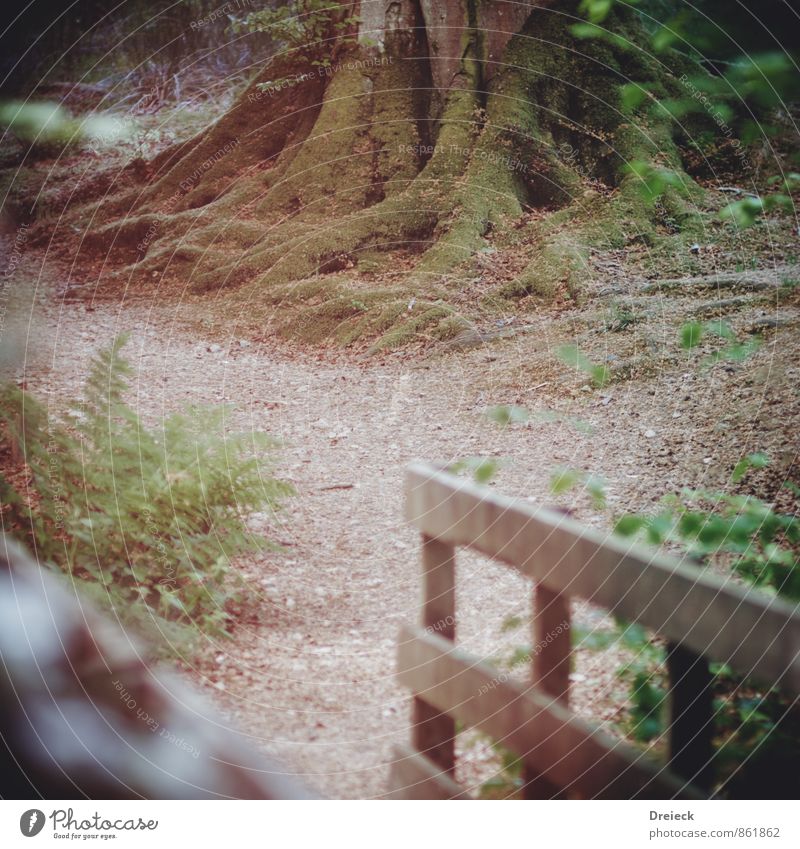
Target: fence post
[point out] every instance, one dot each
(551, 654)
(433, 733)
(691, 718)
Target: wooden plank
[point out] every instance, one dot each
(413, 776)
(438, 587)
(434, 733)
(691, 724)
(551, 656)
(566, 751)
(552, 643)
(755, 634)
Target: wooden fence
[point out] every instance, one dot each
(702, 618)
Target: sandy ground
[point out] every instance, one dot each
(308, 675)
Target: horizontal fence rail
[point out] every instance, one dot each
(564, 749)
(755, 634)
(702, 617)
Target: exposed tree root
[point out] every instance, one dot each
(302, 196)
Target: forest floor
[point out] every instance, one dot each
(308, 674)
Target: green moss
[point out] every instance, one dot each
(449, 328)
(559, 266)
(407, 331)
(376, 320)
(319, 323)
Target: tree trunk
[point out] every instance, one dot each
(452, 130)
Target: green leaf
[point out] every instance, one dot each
(596, 487)
(632, 95)
(720, 328)
(659, 527)
(654, 181)
(506, 414)
(691, 334)
(563, 479)
(519, 657)
(592, 639)
(571, 356)
(738, 352)
(744, 213)
(750, 461)
(664, 38)
(600, 375)
(587, 30)
(634, 636)
(511, 623)
(596, 10)
(629, 524)
(483, 469)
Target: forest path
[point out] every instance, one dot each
(308, 674)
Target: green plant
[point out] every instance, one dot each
(655, 181)
(745, 212)
(693, 332)
(482, 469)
(48, 127)
(564, 479)
(507, 782)
(644, 673)
(750, 85)
(571, 356)
(308, 27)
(506, 414)
(757, 729)
(148, 519)
(760, 543)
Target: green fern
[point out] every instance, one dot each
(150, 517)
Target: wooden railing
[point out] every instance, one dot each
(702, 618)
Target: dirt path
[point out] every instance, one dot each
(310, 677)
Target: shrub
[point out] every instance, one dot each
(311, 28)
(150, 518)
(761, 544)
(757, 728)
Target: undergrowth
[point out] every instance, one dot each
(146, 521)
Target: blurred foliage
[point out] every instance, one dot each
(693, 332)
(506, 414)
(744, 79)
(482, 469)
(150, 518)
(571, 356)
(564, 479)
(45, 127)
(311, 29)
(757, 727)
